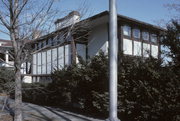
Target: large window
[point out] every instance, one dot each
(136, 33)
(145, 36)
(154, 38)
(127, 46)
(127, 30)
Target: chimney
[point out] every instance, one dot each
(72, 18)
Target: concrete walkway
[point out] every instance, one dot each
(33, 112)
(37, 113)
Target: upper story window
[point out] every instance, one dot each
(127, 30)
(145, 36)
(35, 46)
(154, 38)
(55, 40)
(44, 43)
(49, 41)
(39, 45)
(136, 33)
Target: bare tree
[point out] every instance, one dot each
(22, 19)
(175, 8)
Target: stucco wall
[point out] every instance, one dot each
(98, 40)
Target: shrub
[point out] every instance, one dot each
(148, 91)
(6, 80)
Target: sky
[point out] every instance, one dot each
(150, 11)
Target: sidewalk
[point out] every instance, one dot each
(33, 112)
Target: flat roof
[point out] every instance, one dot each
(106, 13)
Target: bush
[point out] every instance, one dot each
(35, 93)
(6, 80)
(148, 91)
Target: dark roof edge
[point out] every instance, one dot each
(104, 13)
(141, 22)
(125, 17)
(3, 40)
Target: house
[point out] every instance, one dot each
(6, 60)
(86, 38)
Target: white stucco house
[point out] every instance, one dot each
(86, 38)
(5, 54)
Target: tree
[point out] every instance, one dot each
(171, 40)
(22, 19)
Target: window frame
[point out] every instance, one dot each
(133, 33)
(156, 36)
(129, 30)
(148, 39)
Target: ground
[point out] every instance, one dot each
(33, 112)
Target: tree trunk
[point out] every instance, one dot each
(18, 91)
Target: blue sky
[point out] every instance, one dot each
(143, 10)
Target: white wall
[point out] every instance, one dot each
(98, 40)
(81, 50)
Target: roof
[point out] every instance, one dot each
(106, 13)
(3, 40)
(6, 43)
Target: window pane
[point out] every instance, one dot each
(61, 57)
(48, 62)
(34, 64)
(39, 45)
(43, 62)
(44, 43)
(154, 38)
(145, 35)
(127, 46)
(39, 64)
(54, 59)
(146, 50)
(136, 33)
(154, 51)
(137, 48)
(127, 30)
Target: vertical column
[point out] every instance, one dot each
(113, 47)
(7, 58)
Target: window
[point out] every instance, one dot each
(36, 46)
(39, 45)
(145, 36)
(136, 33)
(127, 30)
(49, 41)
(154, 38)
(127, 46)
(44, 43)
